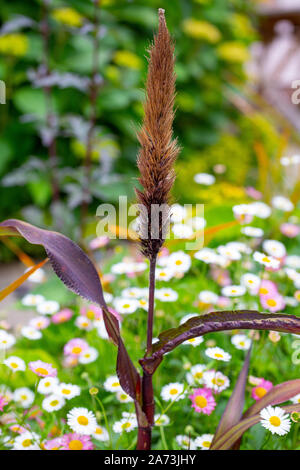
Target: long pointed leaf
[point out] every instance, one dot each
(234, 408)
(218, 321)
(226, 441)
(18, 282)
(79, 274)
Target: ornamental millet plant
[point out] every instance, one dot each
(76, 270)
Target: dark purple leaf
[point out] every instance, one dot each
(78, 273)
(218, 321)
(234, 408)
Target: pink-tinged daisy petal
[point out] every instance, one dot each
(75, 347)
(42, 369)
(203, 401)
(261, 389)
(76, 441)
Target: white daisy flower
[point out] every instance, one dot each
(23, 396)
(31, 333)
(254, 232)
(27, 441)
(179, 262)
(100, 434)
(208, 297)
(204, 441)
(229, 252)
(161, 420)
(112, 384)
(233, 291)
(67, 391)
(194, 341)
(185, 442)
(177, 213)
(122, 397)
(124, 425)
(88, 355)
(282, 203)
(215, 380)
(197, 223)
(83, 323)
(39, 323)
(82, 420)
(241, 341)
(53, 402)
(31, 300)
(166, 295)
(207, 255)
(48, 307)
(182, 231)
(266, 260)
(274, 248)
(218, 353)
(204, 178)
(251, 282)
(15, 363)
(173, 392)
(275, 420)
(38, 276)
(260, 209)
(143, 303)
(164, 274)
(293, 261)
(126, 306)
(6, 340)
(296, 399)
(132, 292)
(47, 385)
(195, 376)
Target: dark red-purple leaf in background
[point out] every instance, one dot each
(79, 274)
(218, 321)
(234, 408)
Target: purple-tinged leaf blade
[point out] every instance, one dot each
(234, 408)
(218, 321)
(68, 260)
(227, 440)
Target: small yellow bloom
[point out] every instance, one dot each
(233, 51)
(13, 44)
(201, 30)
(68, 16)
(128, 59)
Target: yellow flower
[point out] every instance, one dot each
(201, 30)
(233, 51)
(13, 44)
(128, 59)
(68, 16)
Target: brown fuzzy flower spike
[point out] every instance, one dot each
(158, 150)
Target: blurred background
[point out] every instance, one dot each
(74, 74)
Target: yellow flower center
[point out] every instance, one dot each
(41, 370)
(126, 425)
(217, 381)
(76, 350)
(173, 391)
(90, 314)
(65, 391)
(263, 291)
(206, 444)
(126, 305)
(218, 355)
(201, 401)
(14, 365)
(198, 375)
(260, 391)
(266, 259)
(75, 445)
(99, 431)
(275, 421)
(47, 384)
(26, 443)
(54, 402)
(271, 302)
(178, 262)
(115, 384)
(83, 420)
